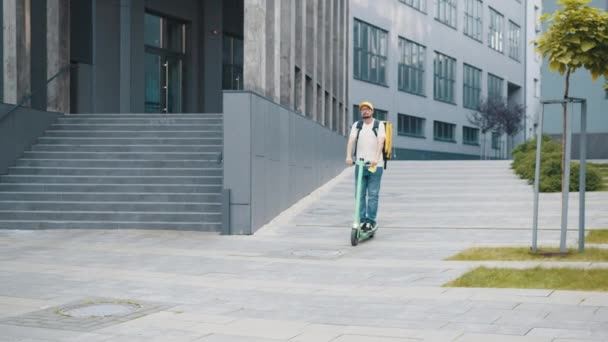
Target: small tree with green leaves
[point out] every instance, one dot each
(577, 37)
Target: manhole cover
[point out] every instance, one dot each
(100, 310)
(318, 253)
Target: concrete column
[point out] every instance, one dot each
(301, 52)
(255, 52)
(287, 49)
(321, 48)
(211, 54)
(344, 66)
(17, 48)
(310, 63)
(329, 49)
(337, 80)
(38, 61)
(125, 55)
(2, 53)
(273, 33)
(58, 55)
(138, 74)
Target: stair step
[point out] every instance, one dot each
(110, 197)
(127, 180)
(115, 171)
(147, 207)
(124, 171)
(137, 134)
(126, 148)
(208, 226)
(172, 141)
(141, 121)
(113, 188)
(200, 156)
(135, 216)
(136, 128)
(118, 163)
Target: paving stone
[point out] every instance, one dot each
(300, 279)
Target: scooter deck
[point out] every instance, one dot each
(359, 235)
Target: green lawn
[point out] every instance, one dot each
(597, 236)
(535, 278)
(523, 253)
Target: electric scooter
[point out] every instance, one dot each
(357, 233)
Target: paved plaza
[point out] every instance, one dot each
(298, 279)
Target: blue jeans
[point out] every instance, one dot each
(370, 189)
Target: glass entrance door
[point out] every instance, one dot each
(163, 83)
(164, 64)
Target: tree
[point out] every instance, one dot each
(577, 37)
(494, 114)
(511, 120)
(484, 118)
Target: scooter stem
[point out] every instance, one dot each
(359, 169)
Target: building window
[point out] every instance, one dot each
(495, 86)
(410, 125)
(445, 78)
(495, 141)
(370, 44)
(470, 136)
(471, 89)
(232, 64)
(379, 114)
(514, 40)
(473, 19)
(495, 36)
(445, 12)
(417, 4)
(444, 131)
(411, 67)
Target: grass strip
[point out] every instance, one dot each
(524, 254)
(535, 278)
(597, 236)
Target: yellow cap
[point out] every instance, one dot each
(366, 104)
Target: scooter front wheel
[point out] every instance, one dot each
(354, 236)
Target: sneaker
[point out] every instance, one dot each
(367, 227)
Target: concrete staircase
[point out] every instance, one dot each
(148, 171)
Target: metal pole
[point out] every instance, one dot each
(582, 180)
(566, 187)
(539, 139)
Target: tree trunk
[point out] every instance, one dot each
(564, 136)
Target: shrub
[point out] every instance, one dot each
(524, 163)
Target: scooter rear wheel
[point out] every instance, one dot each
(354, 236)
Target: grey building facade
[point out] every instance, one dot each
(426, 64)
(581, 86)
(171, 78)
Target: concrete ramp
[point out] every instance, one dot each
(452, 194)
